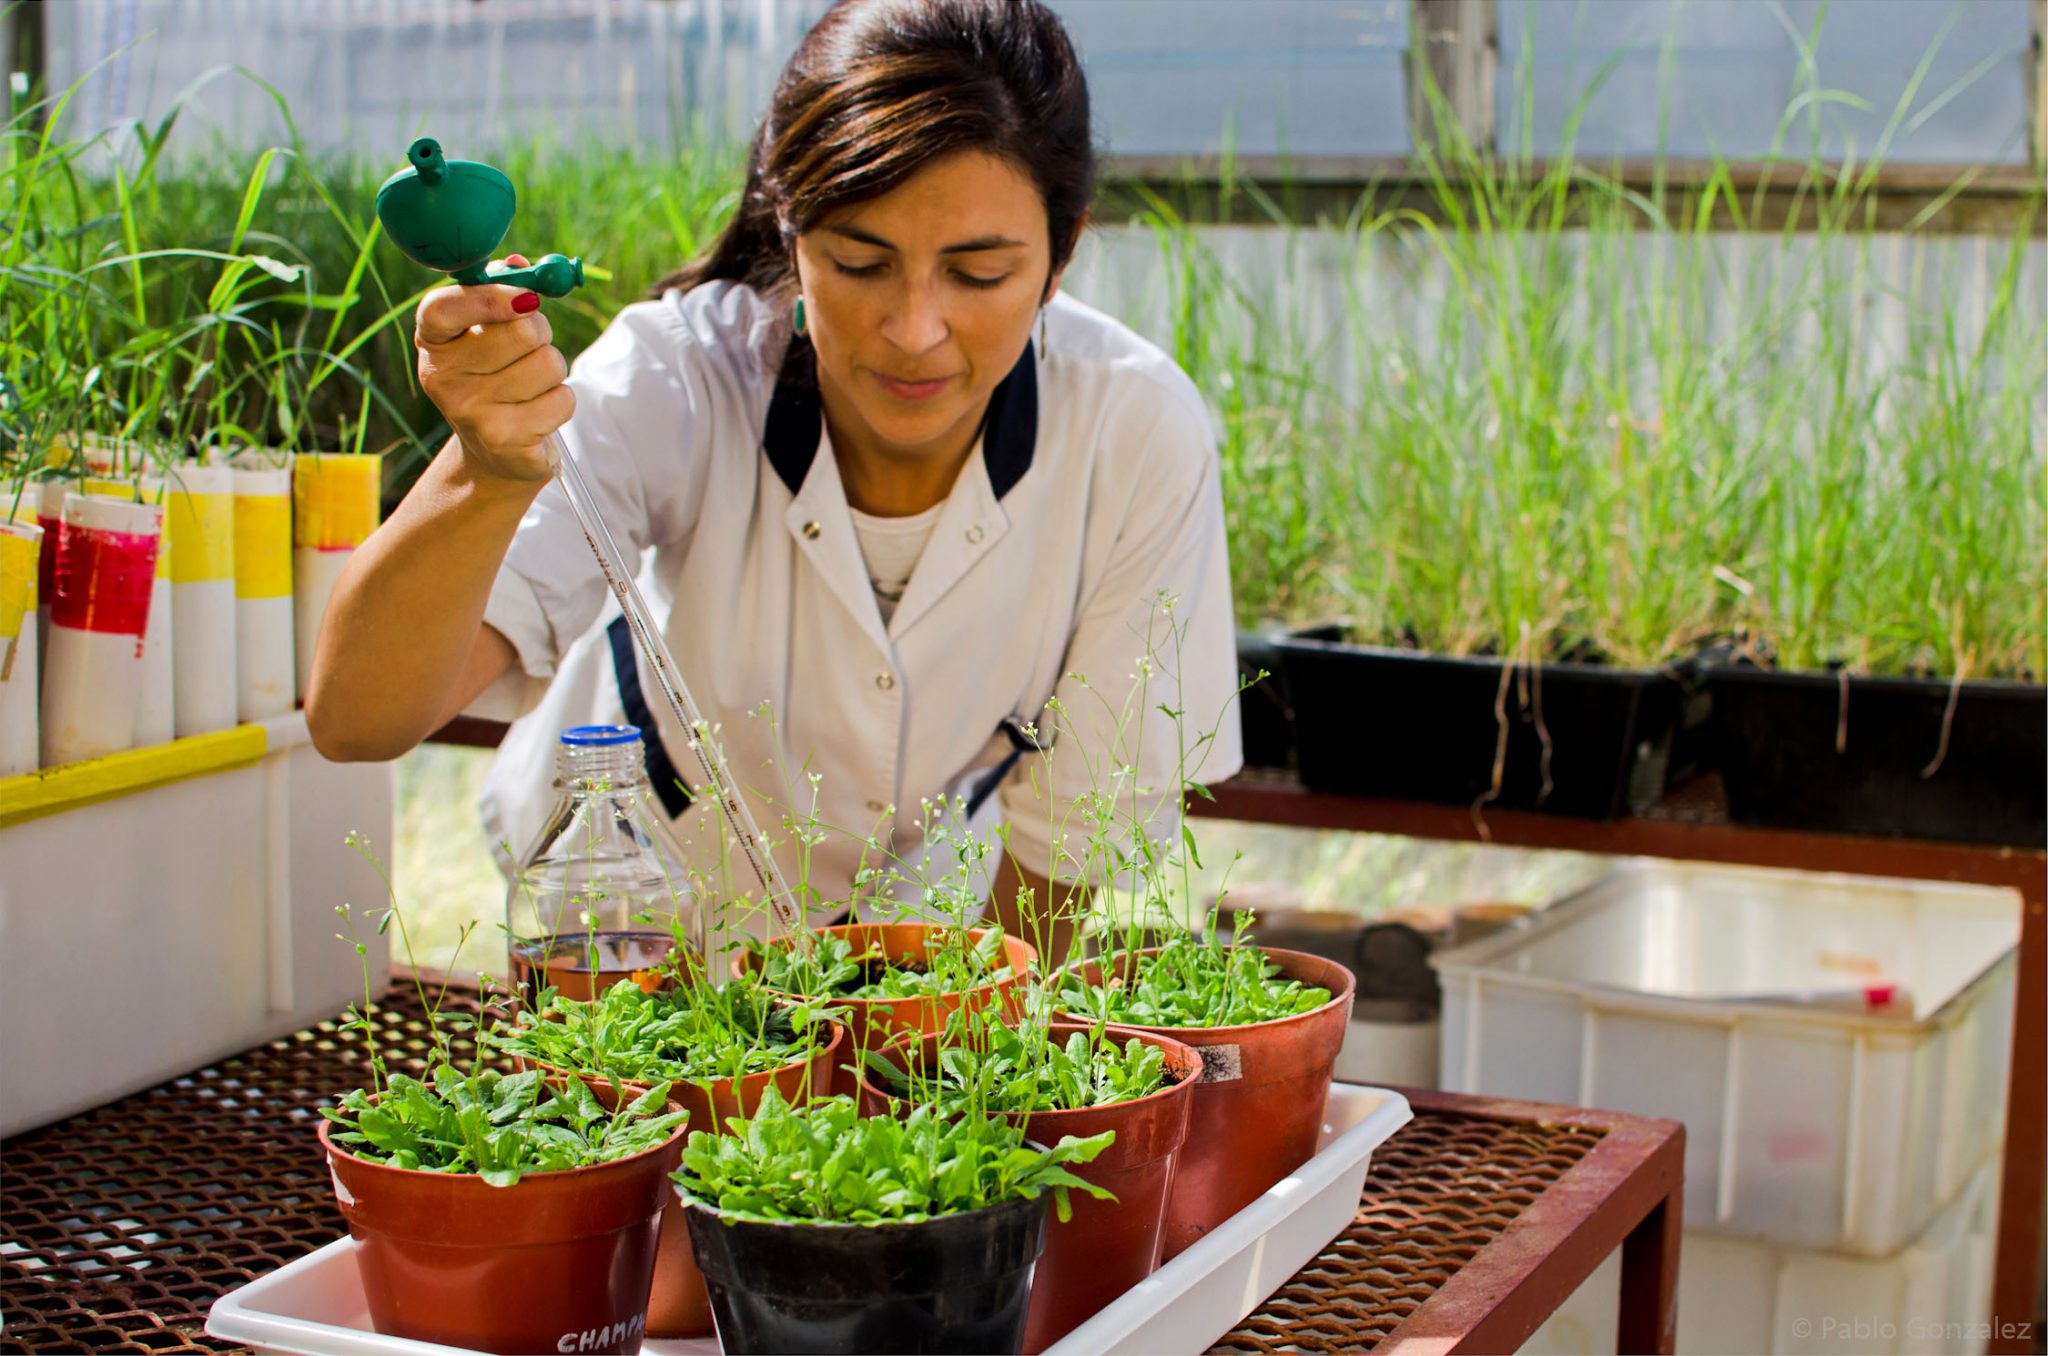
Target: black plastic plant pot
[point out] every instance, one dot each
(1265, 719)
(958, 1283)
(1775, 742)
(1414, 726)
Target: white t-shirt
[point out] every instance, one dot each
(1094, 489)
(890, 547)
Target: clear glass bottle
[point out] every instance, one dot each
(602, 891)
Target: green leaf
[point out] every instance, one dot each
(878, 1063)
(652, 1102)
(252, 195)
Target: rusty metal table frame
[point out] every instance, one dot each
(1627, 1191)
(1694, 827)
(120, 1226)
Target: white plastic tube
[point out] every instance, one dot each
(20, 547)
(612, 562)
(155, 714)
(335, 503)
(264, 652)
(50, 497)
(199, 518)
(92, 455)
(314, 575)
(92, 679)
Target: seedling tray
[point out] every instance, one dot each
(1883, 756)
(1582, 739)
(315, 1306)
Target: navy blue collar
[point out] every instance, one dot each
(795, 421)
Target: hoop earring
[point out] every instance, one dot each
(801, 327)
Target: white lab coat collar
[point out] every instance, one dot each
(969, 525)
(820, 522)
(822, 527)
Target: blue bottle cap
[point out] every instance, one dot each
(595, 736)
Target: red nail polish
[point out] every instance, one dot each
(526, 303)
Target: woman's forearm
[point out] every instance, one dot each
(403, 646)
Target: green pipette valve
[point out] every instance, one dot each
(449, 215)
(552, 275)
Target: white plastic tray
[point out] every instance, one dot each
(315, 1306)
(1207, 1290)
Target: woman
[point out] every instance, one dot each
(887, 481)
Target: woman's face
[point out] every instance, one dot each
(920, 301)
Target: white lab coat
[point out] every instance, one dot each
(1093, 491)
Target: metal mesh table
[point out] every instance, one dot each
(119, 1227)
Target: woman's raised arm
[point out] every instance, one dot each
(403, 646)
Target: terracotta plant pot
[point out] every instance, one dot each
(958, 1283)
(1105, 1247)
(1258, 1108)
(874, 1022)
(559, 1260)
(678, 1305)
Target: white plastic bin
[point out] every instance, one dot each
(1933, 1296)
(163, 908)
(1806, 1126)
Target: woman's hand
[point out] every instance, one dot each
(488, 363)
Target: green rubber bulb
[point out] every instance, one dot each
(449, 215)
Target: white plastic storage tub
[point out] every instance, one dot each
(1933, 1296)
(1668, 990)
(162, 908)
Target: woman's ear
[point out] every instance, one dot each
(1052, 284)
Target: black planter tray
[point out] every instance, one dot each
(1265, 718)
(1773, 737)
(1414, 726)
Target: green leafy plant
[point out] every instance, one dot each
(830, 968)
(825, 1163)
(496, 1125)
(1190, 982)
(986, 1066)
(476, 1120)
(689, 1033)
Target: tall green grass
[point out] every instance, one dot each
(126, 316)
(254, 299)
(1572, 419)
(1543, 414)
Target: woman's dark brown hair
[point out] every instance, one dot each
(878, 90)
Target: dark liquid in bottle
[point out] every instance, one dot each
(585, 964)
